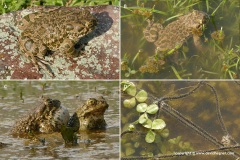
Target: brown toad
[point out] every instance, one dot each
(50, 116)
(47, 117)
(177, 32)
(90, 115)
(55, 30)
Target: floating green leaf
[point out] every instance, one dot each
(143, 152)
(175, 140)
(158, 124)
(143, 118)
(133, 72)
(129, 103)
(172, 141)
(141, 96)
(131, 90)
(125, 84)
(147, 124)
(150, 154)
(131, 127)
(129, 150)
(128, 145)
(163, 149)
(150, 137)
(127, 74)
(185, 145)
(178, 139)
(165, 133)
(152, 109)
(142, 107)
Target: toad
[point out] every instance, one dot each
(54, 30)
(90, 115)
(50, 116)
(177, 32)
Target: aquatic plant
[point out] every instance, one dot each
(219, 58)
(157, 144)
(148, 124)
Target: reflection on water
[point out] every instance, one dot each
(199, 107)
(20, 97)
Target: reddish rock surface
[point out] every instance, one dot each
(100, 61)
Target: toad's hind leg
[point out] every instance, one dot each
(42, 50)
(40, 63)
(43, 63)
(68, 49)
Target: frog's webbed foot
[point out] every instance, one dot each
(41, 63)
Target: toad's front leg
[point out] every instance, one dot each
(68, 49)
(34, 51)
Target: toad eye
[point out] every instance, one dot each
(91, 101)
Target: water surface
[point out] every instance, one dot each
(20, 97)
(216, 60)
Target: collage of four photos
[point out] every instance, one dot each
(120, 79)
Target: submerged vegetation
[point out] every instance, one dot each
(149, 132)
(147, 125)
(218, 59)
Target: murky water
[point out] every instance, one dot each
(213, 61)
(20, 97)
(199, 107)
